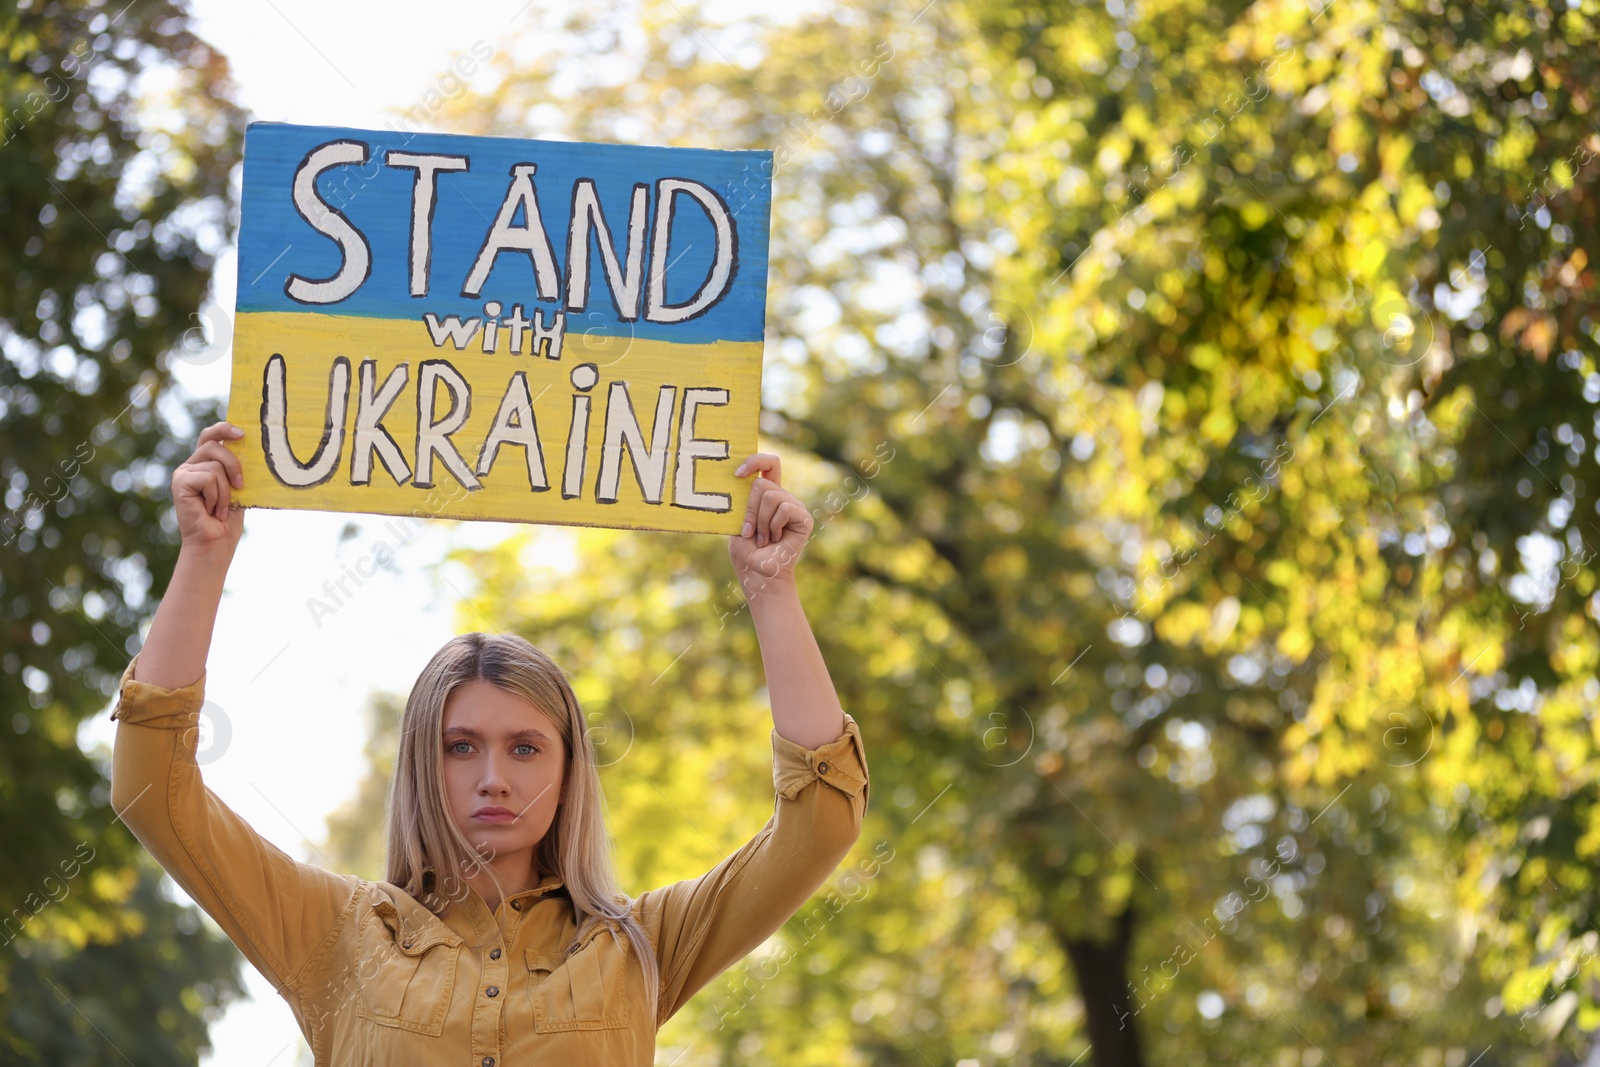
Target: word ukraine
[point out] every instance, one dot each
(569, 333)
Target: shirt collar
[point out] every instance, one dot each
(550, 884)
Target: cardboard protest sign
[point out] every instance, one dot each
(492, 328)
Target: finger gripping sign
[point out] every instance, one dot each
(494, 328)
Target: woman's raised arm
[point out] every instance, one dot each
(278, 910)
(805, 706)
(174, 652)
(704, 925)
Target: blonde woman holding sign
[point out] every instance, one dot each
(499, 935)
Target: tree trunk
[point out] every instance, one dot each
(1101, 969)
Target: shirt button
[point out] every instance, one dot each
(493, 991)
(488, 1061)
(822, 768)
(495, 954)
(516, 905)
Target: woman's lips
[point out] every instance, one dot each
(494, 815)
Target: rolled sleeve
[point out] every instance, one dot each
(277, 910)
(841, 764)
(702, 926)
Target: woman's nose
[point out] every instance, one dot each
(493, 781)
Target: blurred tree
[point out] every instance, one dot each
(356, 832)
(1495, 107)
(117, 142)
(1109, 546)
(1444, 177)
(146, 997)
(1111, 715)
(1157, 366)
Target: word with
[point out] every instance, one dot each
(380, 556)
(34, 903)
(17, 518)
(1230, 908)
(644, 273)
(459, 333)
(832, 904)
(832, 504)
(514, 424)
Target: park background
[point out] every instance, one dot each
(1195, 399)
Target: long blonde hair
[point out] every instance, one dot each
(423, 840)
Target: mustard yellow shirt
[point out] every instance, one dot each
(374, 977)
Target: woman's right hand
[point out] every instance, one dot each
(201, 490)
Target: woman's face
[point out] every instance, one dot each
(503, 767)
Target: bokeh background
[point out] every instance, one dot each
(1195, 402)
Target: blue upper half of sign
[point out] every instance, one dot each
(697, 276)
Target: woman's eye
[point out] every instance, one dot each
(455, 747)
(531, 751)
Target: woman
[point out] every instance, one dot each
(499, 936)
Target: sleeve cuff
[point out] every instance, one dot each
(841, 763)
(153, 705)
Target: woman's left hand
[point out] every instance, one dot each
(776, 526)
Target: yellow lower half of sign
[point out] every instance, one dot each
(357, 414)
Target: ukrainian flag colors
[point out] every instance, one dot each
(499, 329)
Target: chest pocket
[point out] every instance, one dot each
(406, 971)
(583, 991)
